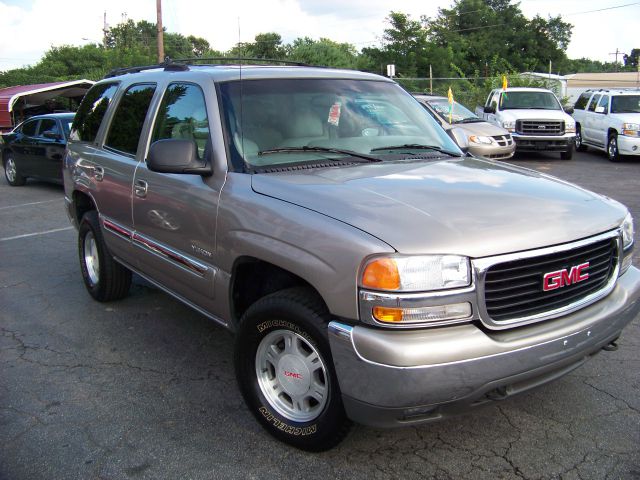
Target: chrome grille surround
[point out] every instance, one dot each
(482, 265)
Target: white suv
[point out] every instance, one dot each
(609, 120)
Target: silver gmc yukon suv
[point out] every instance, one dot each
(370, 271)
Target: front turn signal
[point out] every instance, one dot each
(381, 274)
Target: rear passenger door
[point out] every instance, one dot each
(119, 158)
(589, 132)
(175, 214)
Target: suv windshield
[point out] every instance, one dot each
(275, 121)
(625, 104)
(459, 114)
(529, 100)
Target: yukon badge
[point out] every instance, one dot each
(562, 278)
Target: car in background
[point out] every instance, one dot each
(35, 148)
(609, 120)
(484, 139)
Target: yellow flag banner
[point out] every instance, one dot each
(450, 96)
(505, 84)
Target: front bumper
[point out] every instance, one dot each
(392, 378)
(628, 145)
(493, 151)
(529, 143)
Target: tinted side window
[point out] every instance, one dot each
(594, 102)
(46, 125)
(604, 102)
(29, 128)
(582, 101)
(183, 114)
(128, 119)
(91, 112)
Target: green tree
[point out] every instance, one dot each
(323, 52)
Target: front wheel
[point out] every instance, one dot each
(612, 148)
(568, 155)
(580, 146)
(285, 370)
(11, 172)
(104, 278)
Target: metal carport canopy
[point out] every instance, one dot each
(36, 95)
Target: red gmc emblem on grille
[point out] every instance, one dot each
(562, 278)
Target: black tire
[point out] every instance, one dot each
(293, 313)
(580, 146)
(105, 279)
(568, 155)
(612, 148)
(11, 173)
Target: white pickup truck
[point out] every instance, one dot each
(534, 117)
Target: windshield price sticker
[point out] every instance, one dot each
(334, 114)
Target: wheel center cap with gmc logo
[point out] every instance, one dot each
(293, 375)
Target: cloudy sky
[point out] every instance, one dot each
(29, 27)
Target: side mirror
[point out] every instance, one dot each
(175, 155)
(489, 109)
(568, 109)
(459, 136)
(50, 134)
(599, 109)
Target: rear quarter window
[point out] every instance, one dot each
(91, 112)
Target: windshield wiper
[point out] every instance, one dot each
(469, 120)
(340, 151)
(416, 146)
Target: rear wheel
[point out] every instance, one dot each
(612, 148)
(104, 278)
(11, 172)
(580, 147)
(285, 370)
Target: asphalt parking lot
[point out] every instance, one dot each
(144, 387)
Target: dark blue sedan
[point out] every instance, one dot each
(35, 148)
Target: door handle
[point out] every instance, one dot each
(98, 173)
(140, 188)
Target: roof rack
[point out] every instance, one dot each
(193, 60)
(168, 65)
(182, 64)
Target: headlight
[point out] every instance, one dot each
(630, 129)
(570, 128)
(480, 140)
(627, 243)
(627, 231)
(509, 125)
(416, 273)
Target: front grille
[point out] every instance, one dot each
(539, 127)
(503, 140)
(514, 290)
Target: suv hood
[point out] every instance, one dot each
(526, 114)
(464, 206)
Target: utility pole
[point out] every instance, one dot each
(160, 32)
(104, 30)
(616, 53)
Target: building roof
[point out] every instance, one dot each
(604, 80)
(38, 94)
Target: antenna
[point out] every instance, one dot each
(241, 95)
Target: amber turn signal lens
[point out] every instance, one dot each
(389, 315)
(381, 274)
